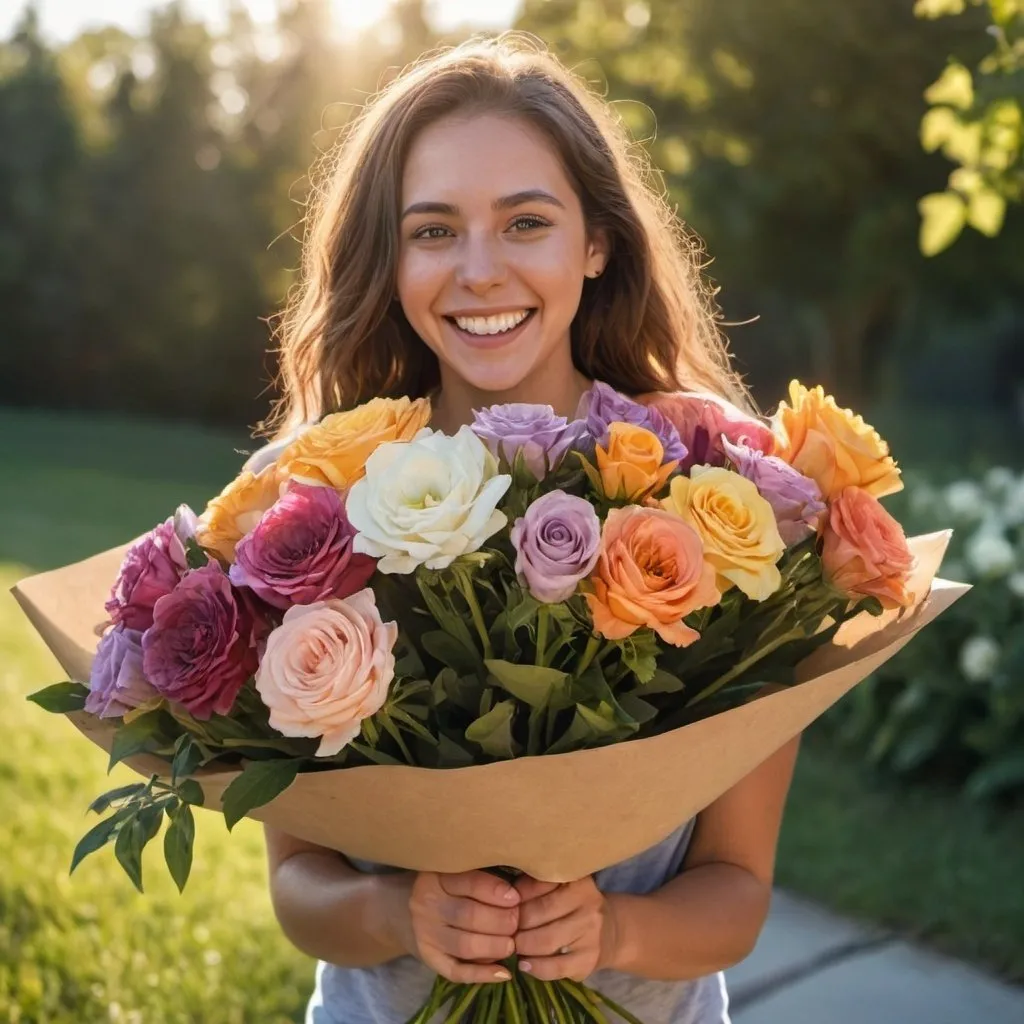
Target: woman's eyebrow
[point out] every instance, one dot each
(532, 195)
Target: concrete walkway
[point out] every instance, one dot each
(810, 967)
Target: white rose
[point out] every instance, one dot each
(267, 455)
(990, 554)
(966, 501)
(979, 658)
(427, 501)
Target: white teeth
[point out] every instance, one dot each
(491, 324)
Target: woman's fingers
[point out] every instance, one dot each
(472, 916)
(548, 939)
(459, 970)
(551, 905)
(482, 887)
(472, 945)
(576, 964)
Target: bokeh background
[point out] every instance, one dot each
(855, 171)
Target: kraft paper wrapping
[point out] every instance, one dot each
(559, 817)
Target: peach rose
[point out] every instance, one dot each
(237, 510)
(833, 446)
(736, 526)
(633, 464)
(651, 572)
(865, 550)
(327, 667)
(334, 451)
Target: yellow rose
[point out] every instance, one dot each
(633, 465)
(334, 452)
(833, 446)
(736, 525)
(237, 509)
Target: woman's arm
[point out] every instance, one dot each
(704, 920)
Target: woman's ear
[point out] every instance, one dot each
(598, 250)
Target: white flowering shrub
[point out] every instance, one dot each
(950, 707)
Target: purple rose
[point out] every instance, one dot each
(204, 642)
(301, 550)
(116, 682)
(795, 498)
(151, 568)
(535, 430)
(602, 405)
(557, 543)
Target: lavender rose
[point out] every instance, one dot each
(557, 544)
(151, 568)
(116, 682)
(535, 430)
(795, 498)
(602, 405)
(203, 643)
(301, 550)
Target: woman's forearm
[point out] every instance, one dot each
(704, 920)
(332, 912)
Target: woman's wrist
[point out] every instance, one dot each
(387, 912)
(617, 933)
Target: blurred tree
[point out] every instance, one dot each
(977, 121)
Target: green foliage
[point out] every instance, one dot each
(951, 705)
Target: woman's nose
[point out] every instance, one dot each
(481, 265)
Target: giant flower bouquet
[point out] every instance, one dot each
(369, 592)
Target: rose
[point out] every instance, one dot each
(301, 551)
(335, 450)
(116, 680)
(535, 430)
(865, 551)
(833, 446)
(151, 568)
(237, 509)
(557, 542)
(736, 526)
(704, 420)
(271, 451)
(633, 465)
(602, 406)
(795, 498)
(427, 501)
(651, 572)
(326, 668)
(203, 643)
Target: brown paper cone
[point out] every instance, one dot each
(557, 818)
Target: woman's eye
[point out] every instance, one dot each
(431, 231)
(528, 221)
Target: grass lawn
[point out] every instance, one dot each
(88, 948)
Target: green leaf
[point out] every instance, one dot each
(954, 88)
(1001, 773)
(98, 836)
(663, 682)
(640, 654)
(637, 708)
(450, 651)
(178, 842)
(135, 737)
(191, 792)
(258, 784)
(101, 803)
(451, 754)
(943, 215)
(188, 756)
(986, 210)
(539, 687)
(523, 613)
(493, 731)
(374, 755)
(920, 743)
(131, 839)
(195, 555)
(61, 697)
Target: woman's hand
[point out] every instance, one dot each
(461, 925)
(565, 931)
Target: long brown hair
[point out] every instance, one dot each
(648, 323)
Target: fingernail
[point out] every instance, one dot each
(502, 975)
(525, 966)
(511, 896)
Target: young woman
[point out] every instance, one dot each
(485, 236)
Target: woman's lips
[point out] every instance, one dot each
(490, 341)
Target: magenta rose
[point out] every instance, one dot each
(301, 550)
(703, 419)
(794, 498)
(151, 568)
(116, 681)
(204, 642)
(557, 542)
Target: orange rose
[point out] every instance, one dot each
(651, 572)
(334, 451)
(865, 550)
(237, 509)
(833, 446)
(633, 464)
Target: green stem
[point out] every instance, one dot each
(738, 669)
(542, 634)
(593, 646)
(468, 996)
(466, 587)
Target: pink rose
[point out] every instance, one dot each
(702, 419)
(864, 550)
(116, 681)
(327, 667)
(301, 550)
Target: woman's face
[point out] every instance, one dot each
(493, 251)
